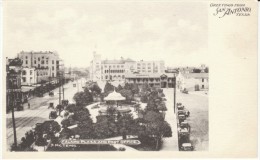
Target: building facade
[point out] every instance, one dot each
(13, 83)
(117, 70)
(42, 61)
(193, 81)
(160, 80)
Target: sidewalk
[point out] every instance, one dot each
(171, 143)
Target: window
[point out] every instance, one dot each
(47, 62)
(52, 67)
(106, 76)
(26, 62)
(39, 59)
(202, 86)
(31, 72)
(122, 66)
(202, 80)
(123, 76)
(42, 61)
(117, 66)
(39, 65)
(52, 61)
(34, 61)
(52, 74)
(24, 72)
(26, 57)
(24, 79)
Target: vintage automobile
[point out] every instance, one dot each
(183, 132)
(53, 115)
(185, 91)
(181, 117)
(51, 105)
(181, 112)
(186, 125)
(180, 107)
(51, 94)
(186, 147)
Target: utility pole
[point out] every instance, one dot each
(63, 89)
(13, 120)
(174, 93)
(59, 90)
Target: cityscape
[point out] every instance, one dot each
(106, 76)
(123, 104)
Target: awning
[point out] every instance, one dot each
(27, 88)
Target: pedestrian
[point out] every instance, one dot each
(29, 105)
(188, 113)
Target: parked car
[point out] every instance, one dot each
(53, 115)
(180, 107)
(186, 147)
(51, 105)
(186, 125)
(181, 117)
(185, 91)
(51, 94)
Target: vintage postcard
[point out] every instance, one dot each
(129, 78)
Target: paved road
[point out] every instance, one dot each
(197, 104)
(38, 111)
(171, 143)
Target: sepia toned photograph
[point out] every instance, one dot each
(100, 77)
(115, 76)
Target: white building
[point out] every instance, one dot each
(32, 76)
(193, 81)
(42, 60)
(95, 67)
(117, 69)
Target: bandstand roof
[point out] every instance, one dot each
(114, 96)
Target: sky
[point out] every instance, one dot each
(174, 32)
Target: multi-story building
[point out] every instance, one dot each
(149, 66)
(95, 67)
(41, 61)
(117, 69)
(160, 80)
(193, 81)
(13, 83)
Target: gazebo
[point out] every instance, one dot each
(115, 97)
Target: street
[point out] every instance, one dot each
(197, 104)
(38, 111)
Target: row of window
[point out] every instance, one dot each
(114, 71)
(114, 66)
(113, 77)
(42, 62)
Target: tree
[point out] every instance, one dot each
(66, 133)
(95, 89)
(156, 126)
(83, 98)
(119, 88)
(85, 123)
(108, 88)
(135, 89)
(105, 128)
(127, 94)
(125, 124)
